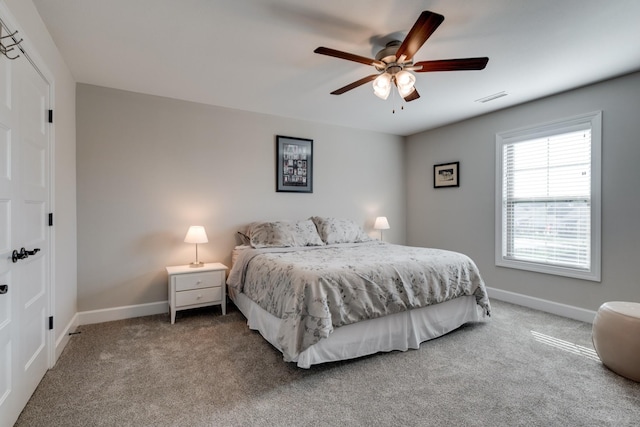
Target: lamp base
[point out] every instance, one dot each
(196, 264)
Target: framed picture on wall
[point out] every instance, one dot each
(294, 164)
(446, 175)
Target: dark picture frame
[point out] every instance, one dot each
(294, 164)
(446, 175)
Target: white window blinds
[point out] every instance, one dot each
(547, 199)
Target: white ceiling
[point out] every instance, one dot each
(257, 55)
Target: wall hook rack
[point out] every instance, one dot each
(6, 48)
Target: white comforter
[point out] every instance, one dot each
(316, 289)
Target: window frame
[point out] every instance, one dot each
(594, 120)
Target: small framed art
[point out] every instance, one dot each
(294, 164)
(446, 175)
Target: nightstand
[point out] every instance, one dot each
(196, 287)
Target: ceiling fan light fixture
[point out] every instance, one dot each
(406, 90)
(382, 85)
(405, 82)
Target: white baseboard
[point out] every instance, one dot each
(119, 313)
(547, 306)
(130, 311)
(63, 338)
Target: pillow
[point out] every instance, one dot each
(338, 230)
(282, 234)
(307, 233)
(244, 239)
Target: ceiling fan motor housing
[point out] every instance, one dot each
(388, 56)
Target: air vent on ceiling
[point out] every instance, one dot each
(492, 97)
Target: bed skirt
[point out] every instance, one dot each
(399, 331)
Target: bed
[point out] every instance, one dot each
(321, 290)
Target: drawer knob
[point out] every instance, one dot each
(199, 296)
(199, 281)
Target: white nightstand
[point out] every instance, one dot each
(196, 287)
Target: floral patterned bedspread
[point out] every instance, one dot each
(316, 289)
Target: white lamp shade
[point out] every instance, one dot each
(381, 223)
(382, 85)
(196, 234)
(405, 81)
(405, 90)
(405, 78)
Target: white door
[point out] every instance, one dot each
(24, 208)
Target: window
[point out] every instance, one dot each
(548, 197)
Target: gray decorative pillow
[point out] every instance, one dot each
(339, 230)
(282, 234)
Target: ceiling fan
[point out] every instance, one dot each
(395, 61)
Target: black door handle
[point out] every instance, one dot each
(23, 254)
(4, 289)
(19, 255)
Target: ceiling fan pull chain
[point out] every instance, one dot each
(393, 102)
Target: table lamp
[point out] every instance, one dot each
(381, 224)
(196, 234)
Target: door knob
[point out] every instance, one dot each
(33, 252)
(4, 289)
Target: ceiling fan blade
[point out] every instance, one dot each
(354, 84)
(348, 56)
(459, 64)
(412, 96)
(426, 24)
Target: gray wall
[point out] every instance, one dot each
(462, 219)
(148, 167)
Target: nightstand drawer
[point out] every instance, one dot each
(199, 280)
(198, 296)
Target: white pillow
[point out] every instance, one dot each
(282, 234)
(339, 230)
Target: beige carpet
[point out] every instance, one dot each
(522, 368)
